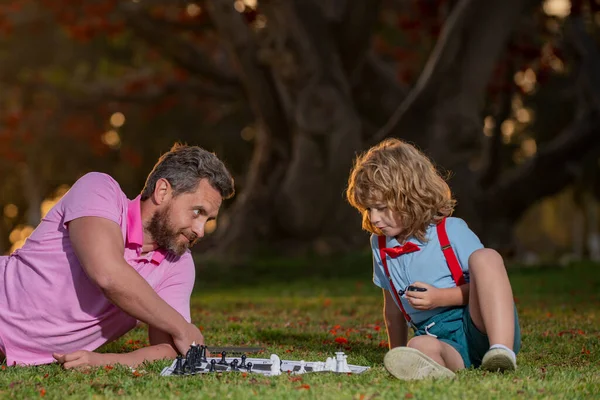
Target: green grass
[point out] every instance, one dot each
(297, 309)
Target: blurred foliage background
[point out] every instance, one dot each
(504, 95)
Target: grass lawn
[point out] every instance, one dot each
(297, 309)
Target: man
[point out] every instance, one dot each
(98, 263)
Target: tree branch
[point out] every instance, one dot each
(548, 172)
(493, 146)
(441, 56)
(452, 84)
(259, 85)
(180, 51)
(353, 33)
(589, 55)
(82, 98)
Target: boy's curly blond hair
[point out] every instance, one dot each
(396, 174)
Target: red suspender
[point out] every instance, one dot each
(449, 255)
(381, 241)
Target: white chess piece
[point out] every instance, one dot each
(318, 366)
(330, 364)
(275, 365)
(302, 370)
(341, 363)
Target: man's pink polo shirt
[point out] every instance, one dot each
(47, 302)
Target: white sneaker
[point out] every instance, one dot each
(498, 360)
(410, 364)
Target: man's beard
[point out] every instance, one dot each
(165, 236)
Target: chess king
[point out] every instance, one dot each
(98, 263)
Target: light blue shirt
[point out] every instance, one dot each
(427, 265)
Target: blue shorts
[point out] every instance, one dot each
(456, 328)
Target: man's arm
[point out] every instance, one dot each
(394, 321)
(99, 247)
(161, 347)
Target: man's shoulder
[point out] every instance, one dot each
(97, 178)
(186, 259)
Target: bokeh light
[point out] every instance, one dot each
(117, 119)
(11, 211)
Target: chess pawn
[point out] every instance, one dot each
(275, 365)
(330, 364)
(302, 365)
(223, 361)
(213, 366)
(243, 364)
(249, 366)
(178, 366)
(203, 354)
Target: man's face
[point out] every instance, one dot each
(386, 220)
(179, 223)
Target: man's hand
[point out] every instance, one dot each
(424, 300)
(80, 359)
(191, 334)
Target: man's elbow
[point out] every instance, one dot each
(106, 283)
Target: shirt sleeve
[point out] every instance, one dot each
(93, 195)
(176, 288)
(379, 278)
(464, 242)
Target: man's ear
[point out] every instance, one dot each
(162, 191)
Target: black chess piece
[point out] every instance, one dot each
(178, 366)
(203, 354)
(249, 367)
(213, 366)
(243, 363)
(234, 365)
(223, 361)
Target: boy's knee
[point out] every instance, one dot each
(425, 344)
(485, 257)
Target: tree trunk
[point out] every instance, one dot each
(298, 76)
(309, 132)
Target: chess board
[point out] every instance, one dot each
(263, 366)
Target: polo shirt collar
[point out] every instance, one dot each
(135, 231)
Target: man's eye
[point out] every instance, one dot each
(196, 212)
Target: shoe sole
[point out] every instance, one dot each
(497, 360)
(410, 364)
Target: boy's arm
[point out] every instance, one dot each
(394, 321)
(434, 297)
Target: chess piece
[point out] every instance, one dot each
(243, 363)
(330, 364)
(341, 365)
(275, 365)
(249, 367)
(302, 370)
(203, 354)
(178, 366)
(213, 366)
(223, 361)
(318, 366)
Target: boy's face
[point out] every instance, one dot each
(386, 220)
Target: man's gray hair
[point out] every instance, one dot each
(184, 167)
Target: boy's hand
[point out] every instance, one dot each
(424, 300)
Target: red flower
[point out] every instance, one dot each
(341, 340)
